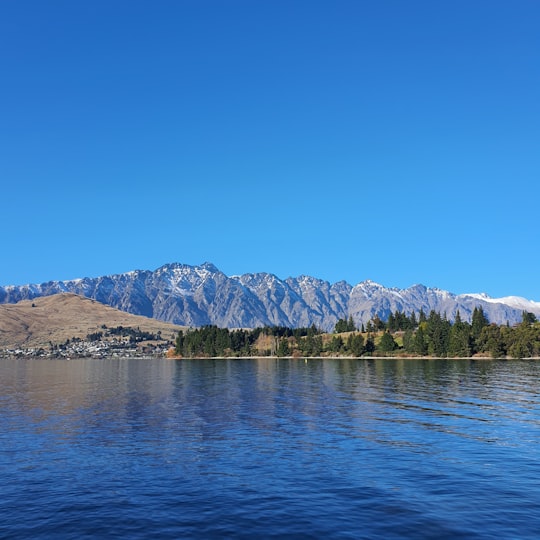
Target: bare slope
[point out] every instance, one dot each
(56, 318)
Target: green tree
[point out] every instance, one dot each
(370, 346)
(378, 323)
(223, 341)
(408, 340)
(460, 338)
(392, 323)
(355, 344)
(317, 346)
(420, 345)
(528, 318)
(387, 343)
(479, 320)
(438, 334)
(341, 326)
(283, 347)
(336, 344)
(491, 341)
(523, 341)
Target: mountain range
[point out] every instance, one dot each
(201, 295)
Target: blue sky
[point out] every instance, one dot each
(393, 141)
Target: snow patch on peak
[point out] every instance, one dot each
(517, 302)
(479, 296)
(257, 281)
(368, 283)
(210, 267)
(368, 286)
(417, 287)
(307, 281)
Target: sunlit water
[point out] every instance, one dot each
(269, 449)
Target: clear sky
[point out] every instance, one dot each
(391, 140)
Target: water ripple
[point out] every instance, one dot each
(269, 448)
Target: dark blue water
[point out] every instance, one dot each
(269, 449)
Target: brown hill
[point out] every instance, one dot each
(36, 323)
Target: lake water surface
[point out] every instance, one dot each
(266, 448)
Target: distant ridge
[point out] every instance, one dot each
(199, 295)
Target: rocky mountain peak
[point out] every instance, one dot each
(200, 295)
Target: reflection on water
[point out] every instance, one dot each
(269, 448)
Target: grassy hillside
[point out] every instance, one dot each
(38, 322)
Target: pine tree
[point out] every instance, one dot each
(391, 323)
(341, 326)
(408, 340)
(459, 343)
(490, 340)
(356, 345)
(283, 347)
(370, 345)
(387, 343)
(528, 318)
(378, 323)
(336, 344)
(420, 345)
(479, 320)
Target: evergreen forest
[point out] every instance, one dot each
(400, 335)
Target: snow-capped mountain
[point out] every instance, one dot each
(200, 295)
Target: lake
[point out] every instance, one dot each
(269, 448)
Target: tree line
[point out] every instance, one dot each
(414, 334)
(136, 335)
(212, 341)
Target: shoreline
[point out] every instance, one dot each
(167, 356)
(307, 358)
